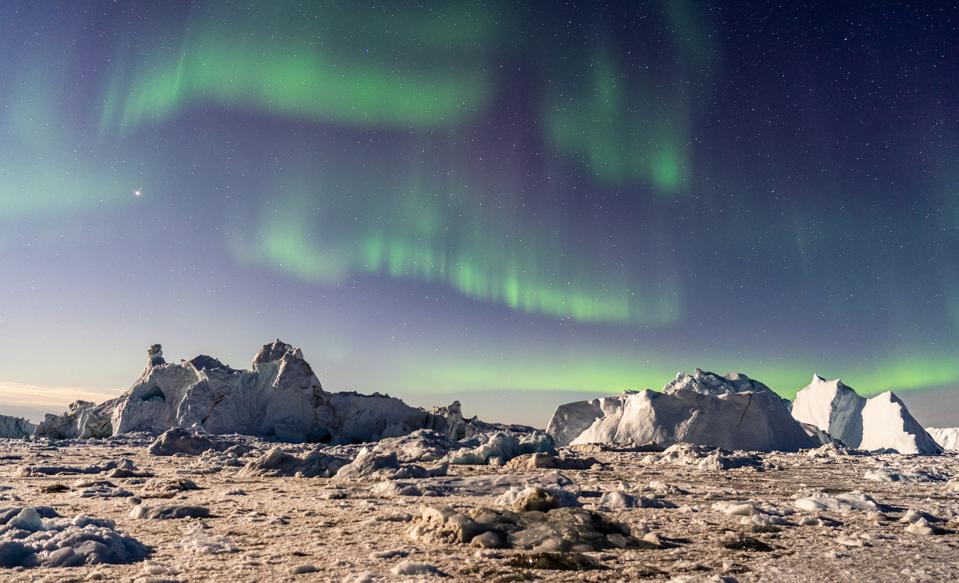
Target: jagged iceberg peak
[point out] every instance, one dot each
(276, 350)
(205, 362)
(710, 383)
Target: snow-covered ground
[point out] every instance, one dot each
(400, 511)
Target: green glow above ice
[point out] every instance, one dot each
(318, 233)
(608, 373)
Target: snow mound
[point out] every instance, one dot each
(843, 503)
(879, 423)
(15, 427)
(199, 541)
(181, 441)
(947, 437)
(39, 537)
(731, 411)
(168, 512)
(277, 462)
(278, 397)
(535, 498)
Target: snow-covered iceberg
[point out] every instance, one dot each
(887, 424)
(572, 419)
(832, 407)
(15, 427)
(731, 411)
(279, 396)
(882, 422)
(947, 437)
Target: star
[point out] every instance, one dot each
(138, 193)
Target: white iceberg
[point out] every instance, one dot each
(887, 424)
(832, 407)
(279, 396)
(882, 422)
(731, 411)
(15, 427)
(947, 437)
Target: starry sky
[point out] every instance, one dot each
(509, 201)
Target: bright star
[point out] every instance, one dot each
(138, 193)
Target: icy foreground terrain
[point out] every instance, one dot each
(418, 508)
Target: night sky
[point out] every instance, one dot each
(481, 198)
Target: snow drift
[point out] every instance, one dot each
(880, 423)
(730, 411)
(279, 396)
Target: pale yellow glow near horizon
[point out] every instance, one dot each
(33, 401)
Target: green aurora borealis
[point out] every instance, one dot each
(470, 196)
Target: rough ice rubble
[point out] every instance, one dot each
(200, 542)
(704, 458)
(277, 462)
(39, 537)
(369, 464)
(617, 500)
(279, 396)
(15, 427)
(881, 422)
(168, 511)
(500, 447)
(561, 529)
(752, 514)
(731, 411)
(122, 463)
(423, 453)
